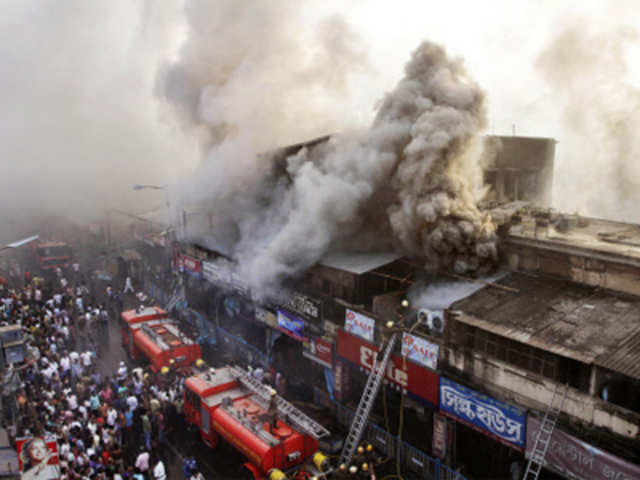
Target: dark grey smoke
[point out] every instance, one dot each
(408, 182)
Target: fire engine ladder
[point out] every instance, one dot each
(543, 438)
(366, 402)
(298, 420)
(177, 296)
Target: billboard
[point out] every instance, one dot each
(418, 381)
(577, 459)
(359, 325)
(38, 458)
(291, 325)
(190, 264)
(420, 350)
(504, 422)
(320, 351)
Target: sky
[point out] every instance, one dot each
(89, 107)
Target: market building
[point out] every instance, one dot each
(468, 385)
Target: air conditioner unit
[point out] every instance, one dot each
(435, 321)
(423, 316)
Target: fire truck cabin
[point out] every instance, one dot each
(148, 334)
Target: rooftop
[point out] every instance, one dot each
(358, 263)
(571, 231)
(588, 324)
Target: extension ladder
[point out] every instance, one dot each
(293, 415)
(543, 438)
(366, 403)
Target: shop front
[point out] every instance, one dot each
(409, 395)
(478, 417)
(574, 458)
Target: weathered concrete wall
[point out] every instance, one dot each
(533, 391)
(588, 268)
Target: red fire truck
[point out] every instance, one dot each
(51, 255)
(277, 439)
(148, 334)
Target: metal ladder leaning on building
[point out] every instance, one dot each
(297, 419)
(369, 394)
(543, 438)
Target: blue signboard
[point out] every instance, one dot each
(291, 325)
(505, 422)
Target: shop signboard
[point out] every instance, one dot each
(298, 302)
(359, 324)
(266, 317)
(291, 325)
(418, 381)
(576, 459)
(503, 422)
(38, 458)
(341, 380)
(439, 435)
(320, 351)
(330, 328)
(190, 264)
(420, 350)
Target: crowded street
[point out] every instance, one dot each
(320, 240)
(111, 418)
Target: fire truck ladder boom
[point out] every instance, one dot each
(543, 438)
(297, 419)
(369, 394)
(177, 297)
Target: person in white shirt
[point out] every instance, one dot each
(128, 286)
(72, 401)
(132, 402)
(142, 461)
(112, 415)
(86, 359)
(76, 267)
(122, 371)
(159, 472)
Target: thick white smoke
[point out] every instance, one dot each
(406, 183)
(597, 169)
(79, 123)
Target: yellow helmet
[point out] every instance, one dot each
(199, 362)
(369, 447)
(171, 361)
(360, 449)
(164, 370)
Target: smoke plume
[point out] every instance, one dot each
(407, 182)
(587, 71)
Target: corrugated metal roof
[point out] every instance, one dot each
(624, 358)
(358, 263)
(569, 319)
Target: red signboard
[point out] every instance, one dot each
(320, 351)
(439, 435)
(189, 263)
(38, 458)
(418, 381)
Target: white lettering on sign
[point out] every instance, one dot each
(396, 375)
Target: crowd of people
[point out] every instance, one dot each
(105, 426)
